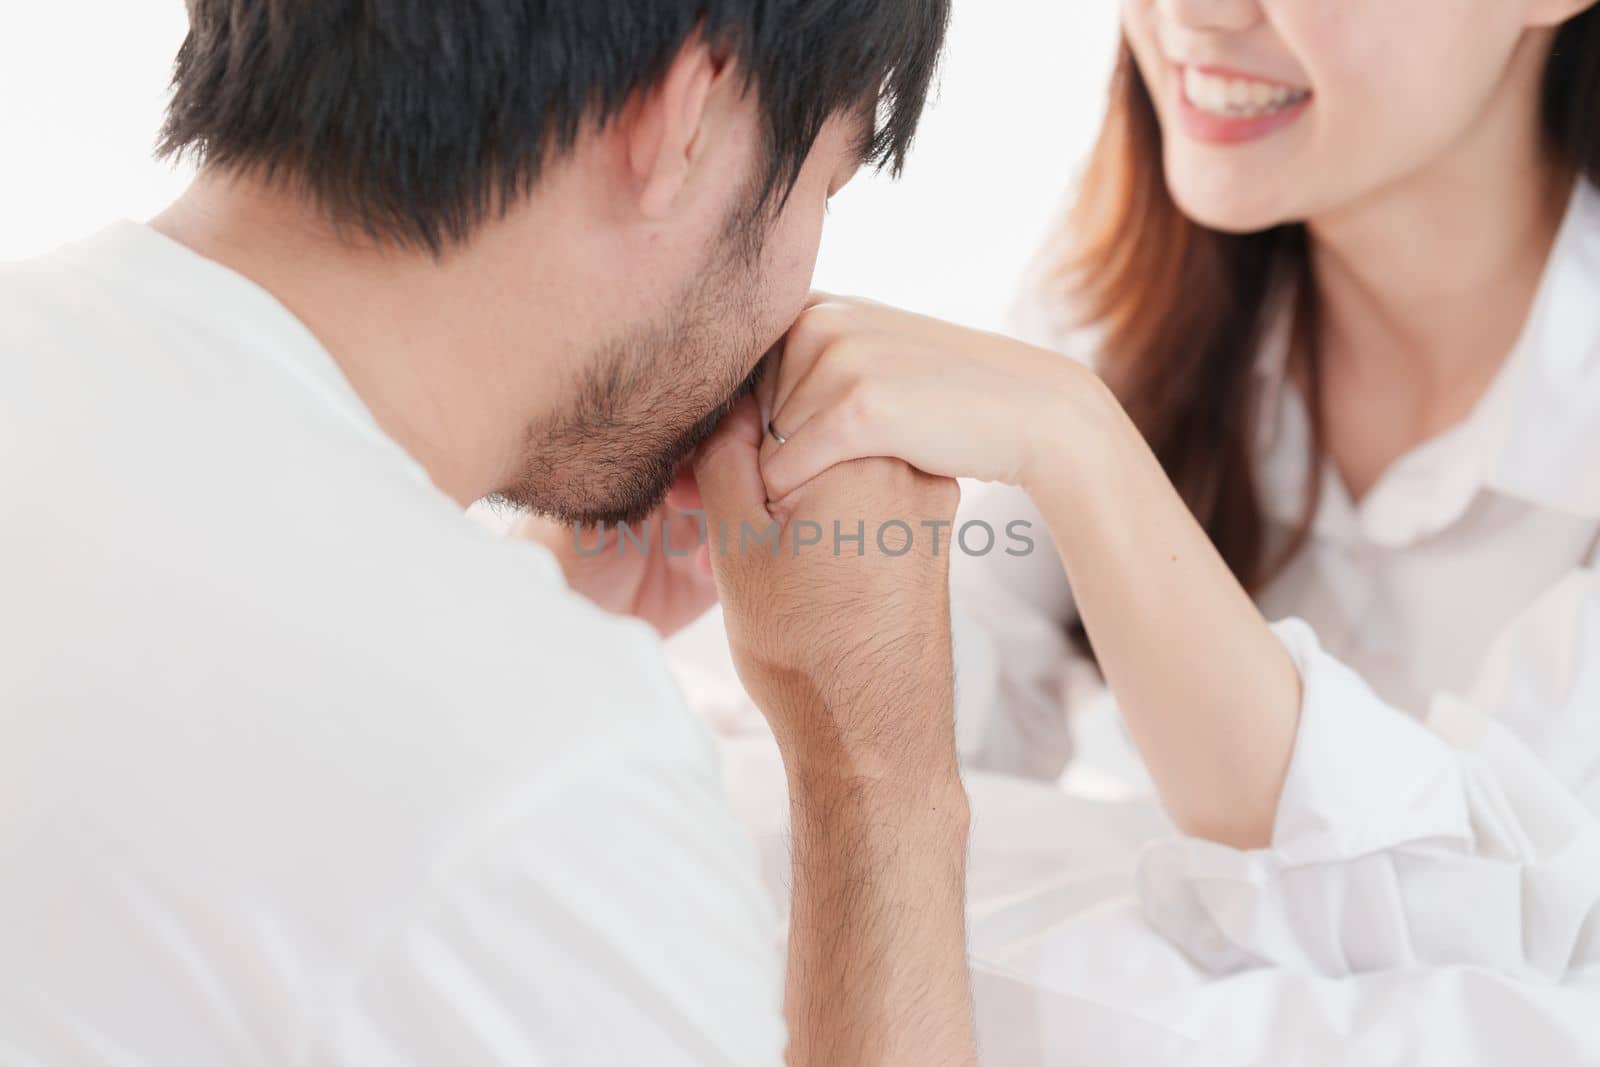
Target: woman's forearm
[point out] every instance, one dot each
(1211, 697)
(1209, 694)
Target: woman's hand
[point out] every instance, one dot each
(860, 379)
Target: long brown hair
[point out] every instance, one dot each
(1179, 310)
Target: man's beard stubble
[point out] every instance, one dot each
(644, 404)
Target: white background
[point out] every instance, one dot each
(82, 85)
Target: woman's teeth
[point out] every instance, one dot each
(1237, 97)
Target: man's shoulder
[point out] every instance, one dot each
(620, 889)
(591, 857)
(495, 616)
(417, 625)
(472, 797)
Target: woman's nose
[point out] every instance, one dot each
(1214, 15)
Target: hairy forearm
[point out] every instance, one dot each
(849, 657)
(877, 957)
(1208, 693)
(878, 820)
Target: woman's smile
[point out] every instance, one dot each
(1226, 107)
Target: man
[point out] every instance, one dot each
(299, 766)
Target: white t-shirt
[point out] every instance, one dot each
(297, 764)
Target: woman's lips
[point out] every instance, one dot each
(1224, 107)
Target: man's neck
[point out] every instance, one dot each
(422, 340)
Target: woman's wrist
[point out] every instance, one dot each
(1072, 437)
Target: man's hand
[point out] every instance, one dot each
(845, 646)
(658, 572)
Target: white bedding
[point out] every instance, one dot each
(1066, 972)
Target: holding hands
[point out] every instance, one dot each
(1208, 693)
(861, 379)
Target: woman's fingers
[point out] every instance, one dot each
(892, 401)
(830, 437)
(831, 375)
(803, 345)
(818, 331)
(861, 380)
(853, 403)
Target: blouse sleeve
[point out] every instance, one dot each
(1472, 840)
(1012, 613)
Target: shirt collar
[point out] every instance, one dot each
(1534, 436)
(1549, 453)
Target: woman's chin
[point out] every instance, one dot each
(1221, 208)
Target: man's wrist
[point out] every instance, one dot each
(909, 774)
(929, 808)
(876, 780)
(888, 734)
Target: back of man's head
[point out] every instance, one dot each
(415, 120)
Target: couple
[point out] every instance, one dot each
(300, 765)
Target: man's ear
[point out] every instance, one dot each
(668, 126)
(1554, 12)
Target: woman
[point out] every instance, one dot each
(1338, 262)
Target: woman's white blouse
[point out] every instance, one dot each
(1443, 803)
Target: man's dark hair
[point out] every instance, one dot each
(416, 120)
